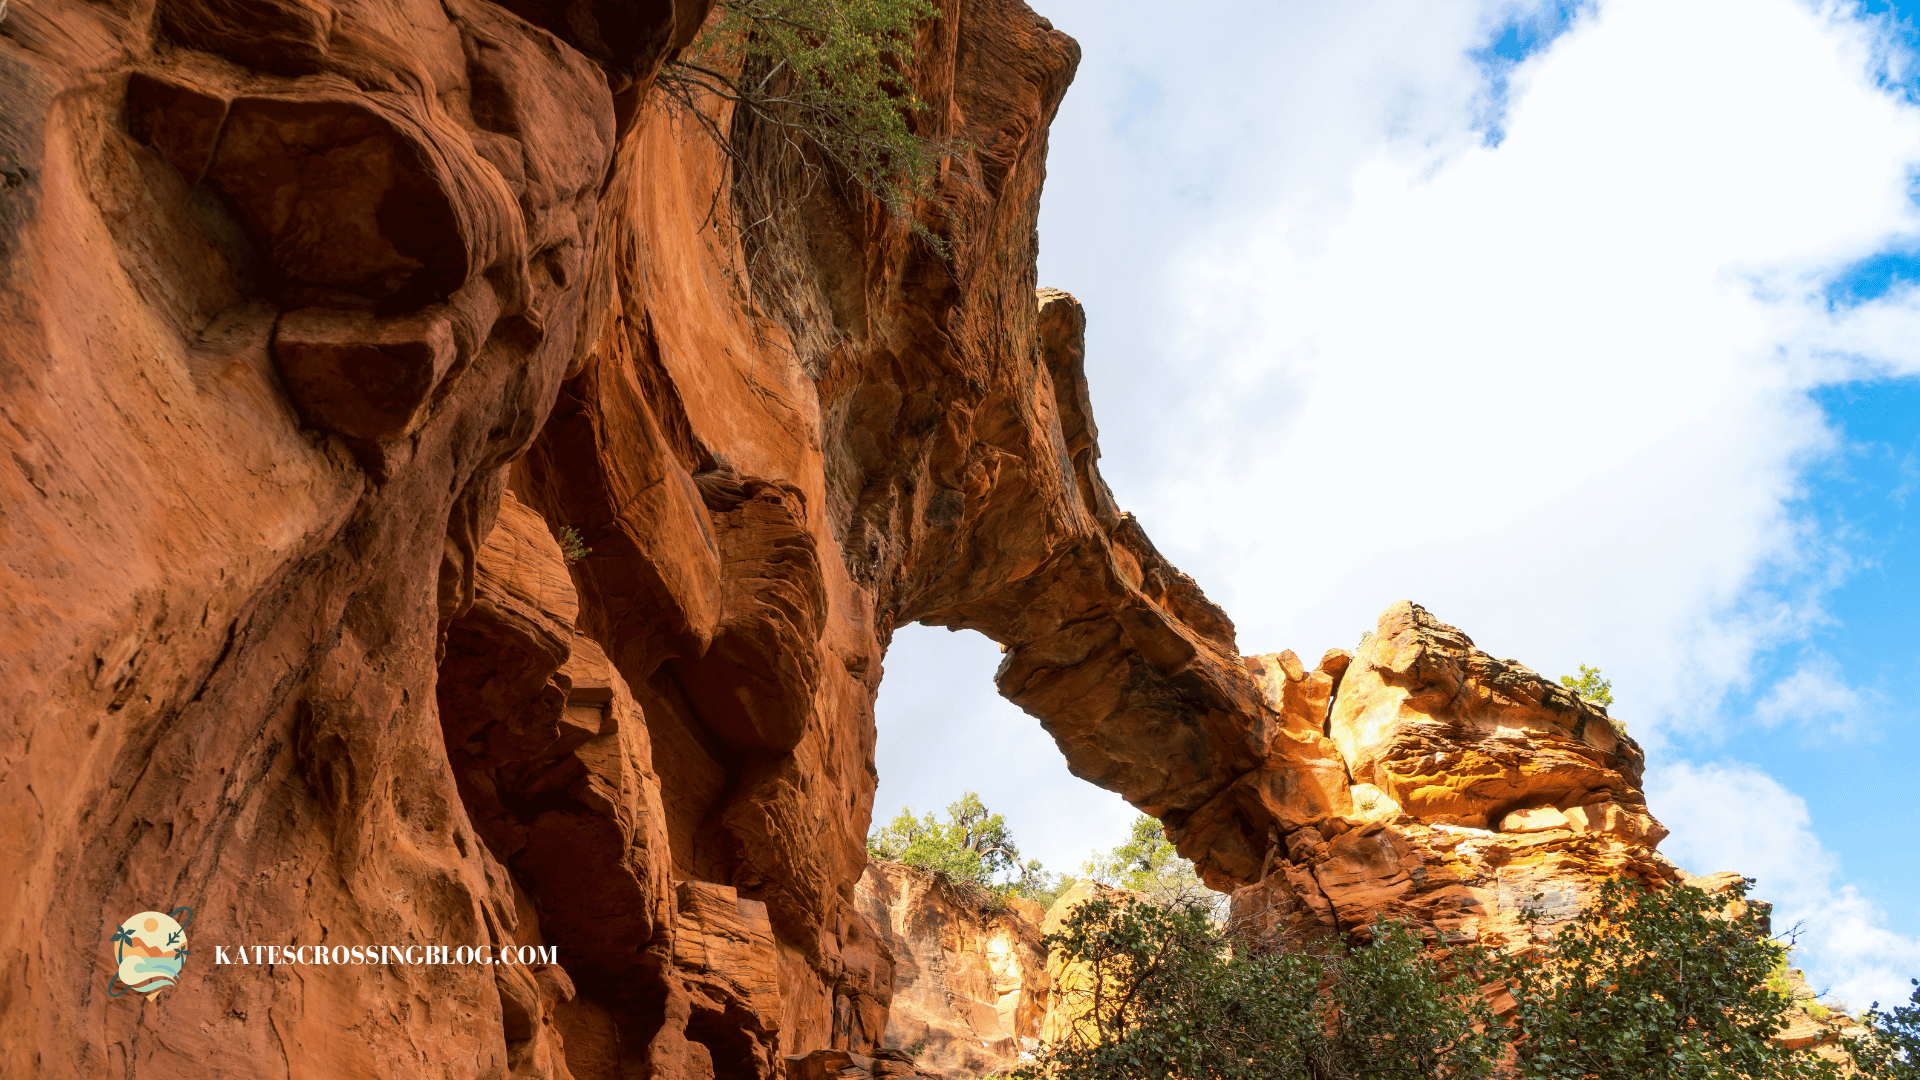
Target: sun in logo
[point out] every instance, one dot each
(148, 951)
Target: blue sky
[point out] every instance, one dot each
(1593, 327)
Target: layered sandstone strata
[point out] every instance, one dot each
(970, 978)
(296, 292)
(1484, 800)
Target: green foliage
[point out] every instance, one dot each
(1590, 686)
(830, 72)
(1161, 994)
(1890, 1049)
(972, 845)
(969, 848)
(1647, 985)
(1777, 977)
(1147, 863)
(572, 547)
(1595, 689)
(1039, 886)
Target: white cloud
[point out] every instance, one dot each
(1817, 699)
(1735, 817)
(1556, 389)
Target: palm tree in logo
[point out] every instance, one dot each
(124, 935)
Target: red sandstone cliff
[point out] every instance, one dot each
(324, 320)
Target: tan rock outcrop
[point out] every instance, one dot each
(1481, 791)
(970, 983)
(1817, 1027)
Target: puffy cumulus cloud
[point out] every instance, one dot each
(1556, 388)
(1184, 117)
(1729, 816)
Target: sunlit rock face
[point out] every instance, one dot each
(970, 982)
(1479, 790)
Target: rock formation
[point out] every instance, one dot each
(296, 293)
(970, 979)
(328, 319)
(1479, 791)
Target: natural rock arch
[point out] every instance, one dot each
(318, 336)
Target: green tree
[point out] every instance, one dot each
(833, 74)
(1590, 686)
(1160, 992)
(969, 848)
(972, 845)
(1147, 863)
(1656, 984)
(1890, 1050)
(1593, 688)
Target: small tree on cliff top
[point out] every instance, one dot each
(831, 73)
(1590, 685)
(970, 847)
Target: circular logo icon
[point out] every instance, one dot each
(148, 951)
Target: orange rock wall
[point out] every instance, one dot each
(325, 320)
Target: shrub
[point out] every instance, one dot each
(1147, 863)
(1890, 1049)
(572, 547)
(830, 73)
(1162, 993)
(1652, 984)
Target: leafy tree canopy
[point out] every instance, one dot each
(1160, 992)
(1890, 1050)
(970, 847)
(1590, 685)
(830, 72)
(1147, 863)
(1656, 984)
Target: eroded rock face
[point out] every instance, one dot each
(279, 309)
(325, 321)
(1479, 790)
(970, 987)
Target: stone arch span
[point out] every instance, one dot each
(355, 320)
